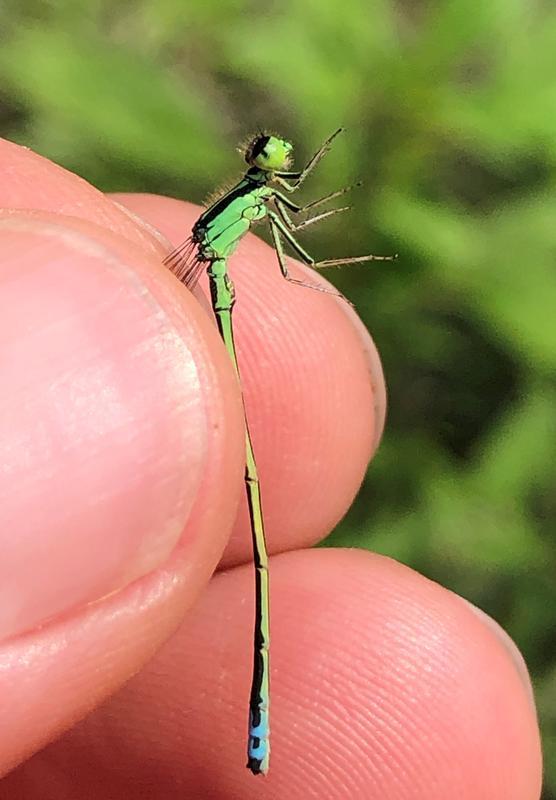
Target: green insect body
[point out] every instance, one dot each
(214, 237)
(224, 232)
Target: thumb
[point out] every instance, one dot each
(121, 461)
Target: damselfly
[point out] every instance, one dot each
(260, 194)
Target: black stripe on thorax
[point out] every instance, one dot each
(251, 180)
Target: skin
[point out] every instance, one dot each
(406, 692)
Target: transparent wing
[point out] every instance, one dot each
(184, 262)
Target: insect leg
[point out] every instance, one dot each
(277, 229)
(292, 226)
(296, 208)
(329, 262)
(299, 177)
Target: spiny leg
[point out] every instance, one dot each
(292, 226)
(329, 262)
(258, 748)
(299, 177)
(275, 231)
(282, 202)
(337, 262)
(297, 209)
(306, 222)
(278, 227)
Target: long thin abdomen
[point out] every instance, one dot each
(258, 748)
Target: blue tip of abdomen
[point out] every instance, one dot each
(258, 747)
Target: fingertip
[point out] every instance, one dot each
(376, 374)
(509, 645)
(172, 217)
(391, 672)
(30, 181)
(383, 683)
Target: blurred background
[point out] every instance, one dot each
(451, 114)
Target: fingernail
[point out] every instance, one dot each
(103, 432)
(509, 645)
(155, 240)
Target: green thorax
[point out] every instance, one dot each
(219, 229)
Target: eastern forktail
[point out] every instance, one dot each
(214, 238)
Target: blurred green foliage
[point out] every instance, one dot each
(451, 111)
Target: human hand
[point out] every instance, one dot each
(122, 461)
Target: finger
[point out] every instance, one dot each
(29, 181)
(313, 386)
(388, 687)
(121, 459)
